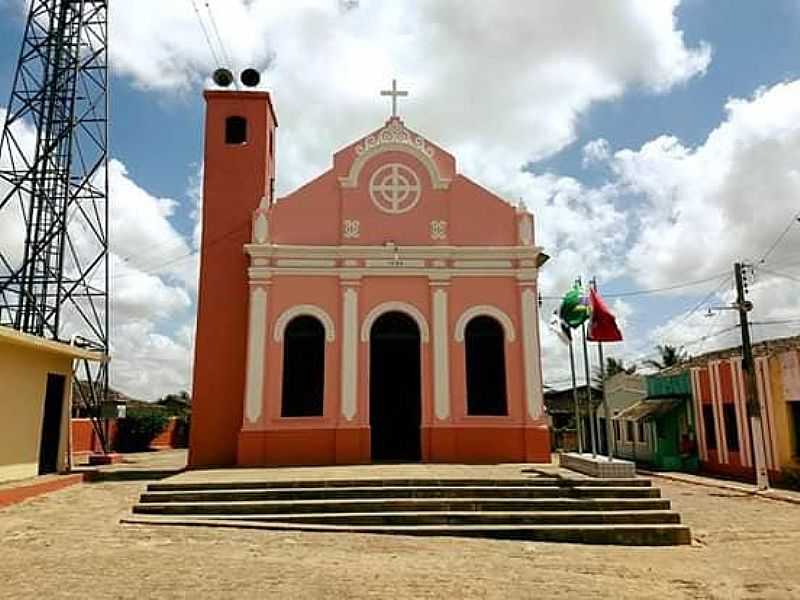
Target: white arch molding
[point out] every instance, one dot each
(304, 309)
(487, 310)
(392, 306)
(437, 181)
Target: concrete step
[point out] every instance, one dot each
(646, 517)
(402, 505)
(624, 534)
(394, 482)
(400, 492)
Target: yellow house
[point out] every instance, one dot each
(35, 403)
(784, 389)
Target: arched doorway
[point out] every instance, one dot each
(395, 401)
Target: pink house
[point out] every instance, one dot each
(386, 310)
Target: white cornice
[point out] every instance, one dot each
(391, 252)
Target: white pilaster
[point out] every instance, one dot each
(441, 361)
(256, 340)
(530, 354)
(349, 379)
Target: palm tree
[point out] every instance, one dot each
(617, 365)
(670, 356)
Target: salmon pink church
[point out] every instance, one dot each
(384, 311)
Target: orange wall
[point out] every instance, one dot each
(84, 439)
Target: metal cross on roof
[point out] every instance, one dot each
(394, 93)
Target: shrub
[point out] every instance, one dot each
(139, 428)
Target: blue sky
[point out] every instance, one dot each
(157, 121)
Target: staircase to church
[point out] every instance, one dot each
(592, 511)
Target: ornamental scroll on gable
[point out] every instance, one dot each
(394, 136)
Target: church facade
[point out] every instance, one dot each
(386, 310)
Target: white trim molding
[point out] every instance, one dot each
(349, 378)
(393, 305)
(394, 137)
(304, 309)
(441, 362)
(256, 340)
(531, 353)
(487, 310)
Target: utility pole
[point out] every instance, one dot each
(748, 366)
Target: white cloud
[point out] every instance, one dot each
(596, 151)
(726, 199)
(497, 83)
(149, 288)
(12, 225)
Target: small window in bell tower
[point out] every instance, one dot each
(235, 130)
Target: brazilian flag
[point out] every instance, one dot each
(575, 307)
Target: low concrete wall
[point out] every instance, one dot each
(597, 466)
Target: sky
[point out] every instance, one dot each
(655, 143)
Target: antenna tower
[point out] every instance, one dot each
(54, 186)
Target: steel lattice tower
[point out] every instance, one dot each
(54, 184)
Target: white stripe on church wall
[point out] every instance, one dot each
(256, 340)
(530, 355)
(349, 352)
(441, 362)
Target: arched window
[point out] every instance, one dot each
(303, 367)
(486, 367)
(235, 130)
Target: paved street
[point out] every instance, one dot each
(70, 544)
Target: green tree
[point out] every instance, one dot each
(670, 356)
(617, 365)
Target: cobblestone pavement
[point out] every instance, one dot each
(70, 544)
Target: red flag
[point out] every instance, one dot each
(603, 326)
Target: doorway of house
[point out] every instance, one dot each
(51, 424)
(394, 388)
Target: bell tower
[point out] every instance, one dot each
(239, 171)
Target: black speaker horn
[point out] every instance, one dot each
(222, 77)
(250, 77)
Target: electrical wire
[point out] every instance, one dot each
(795, 218)
(214, 56)
(222, 46)
(784, 275)
(656, 290)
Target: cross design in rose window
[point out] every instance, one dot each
(394, 188)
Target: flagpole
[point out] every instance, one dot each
(592, 424)
(611, 441)
(578, 432)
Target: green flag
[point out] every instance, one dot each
(575, 308)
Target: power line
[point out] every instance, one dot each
(784, 275)
(656, 290)
(222, 46)
(214, 56)
(795, 218)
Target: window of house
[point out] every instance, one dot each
(709, 427)
(617, 431)
(235, 130)
(484, 341)
(731, 430)
(303, 368)
(629, 431)
(640, 430)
